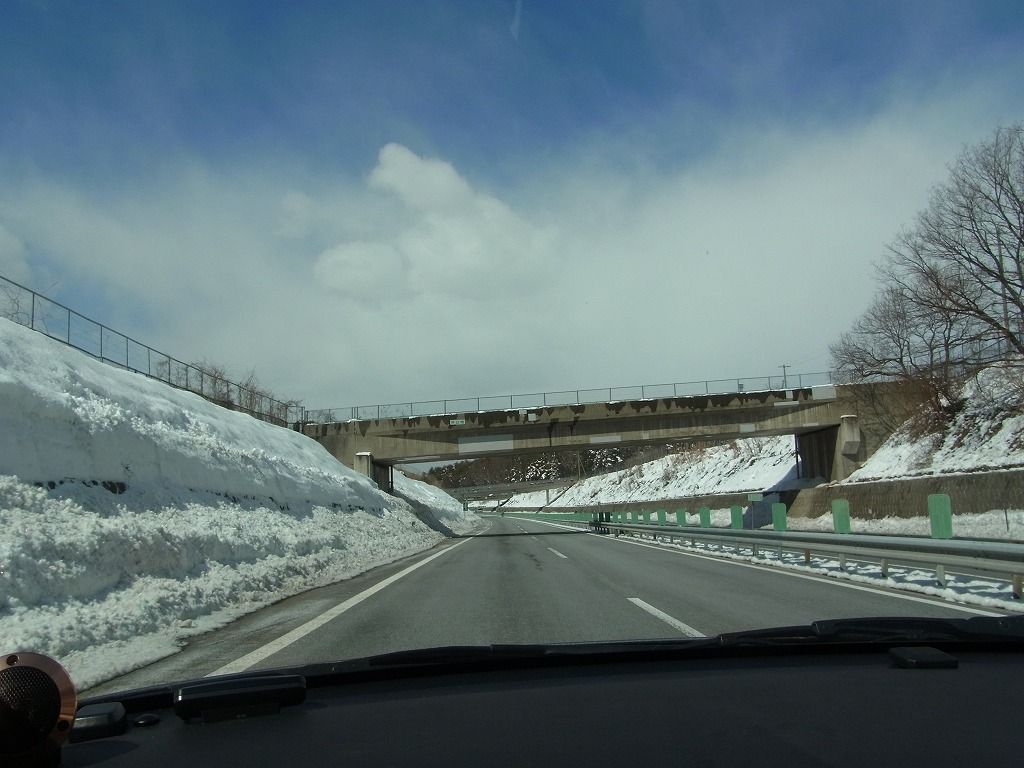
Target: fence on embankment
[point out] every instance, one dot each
(51, 318)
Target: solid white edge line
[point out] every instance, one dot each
(254, 657)
(672, 621)
(888, 592)
(555, 551)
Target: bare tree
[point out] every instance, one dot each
(900, 338)
(953, 285)
(965, 253)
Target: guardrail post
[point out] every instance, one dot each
(1016, 583)
(840, 515)
(647, 516)
(680, 516)
(736, 517)
(940, 575)
(940, 510)
(661, 517)
(705, 517)
(779, 516)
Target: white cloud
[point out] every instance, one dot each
(365, 272)
(416, 282)
(13, 264)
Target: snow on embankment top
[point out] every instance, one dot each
(753, 464)
(987, 434)
(66, 415)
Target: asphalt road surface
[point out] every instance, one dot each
(523, 581)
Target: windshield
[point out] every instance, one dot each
(330, 330)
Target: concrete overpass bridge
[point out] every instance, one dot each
(836, 427)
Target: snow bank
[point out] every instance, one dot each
(987, 434)
(753, 464)
(133, 515)
(443, 508)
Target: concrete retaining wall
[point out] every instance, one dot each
(969, 493)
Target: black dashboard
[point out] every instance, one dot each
(828, 707)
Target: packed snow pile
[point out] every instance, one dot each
(986, 434)
(431, 501)
(753, 464)
(133, 515)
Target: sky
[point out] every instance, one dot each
(402, 201)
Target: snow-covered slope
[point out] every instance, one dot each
(133, 515)
(443, 508)
(987, 434)
(754, 464)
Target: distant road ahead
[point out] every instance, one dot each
(527, 582)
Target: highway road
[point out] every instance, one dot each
(522, 581)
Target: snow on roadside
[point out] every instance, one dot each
(445, 509)
(133, 515)
(752, 464)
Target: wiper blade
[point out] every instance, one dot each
(484, 654)
(886, 630)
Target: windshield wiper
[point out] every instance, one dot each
(885, 630)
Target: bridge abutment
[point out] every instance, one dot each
(382, 474)
(833, 453)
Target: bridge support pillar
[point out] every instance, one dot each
(382, 474)
(849, 448)
(364, 463)
(832, 453)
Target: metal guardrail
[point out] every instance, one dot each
(34, 310)
(567, 397)
(996, 557)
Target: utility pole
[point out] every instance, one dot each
(784, 380)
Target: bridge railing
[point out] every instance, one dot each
(34, 310)
(452, 406)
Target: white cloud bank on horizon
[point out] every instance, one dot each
(415, 283)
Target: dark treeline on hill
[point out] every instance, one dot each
(495, 470)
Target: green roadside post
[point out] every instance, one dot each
(840, 515)
(779, 516)
(647, 516)
(681, 516)
(705, 517)
(736, 514)
(661, 517)
(940, 510)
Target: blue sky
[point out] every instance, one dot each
(403, 200)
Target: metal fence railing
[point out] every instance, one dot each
(567, 397)
(33, 310)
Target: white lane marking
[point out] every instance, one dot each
(835, 582)
(555, 551)
(686, 629)
(254, 657)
